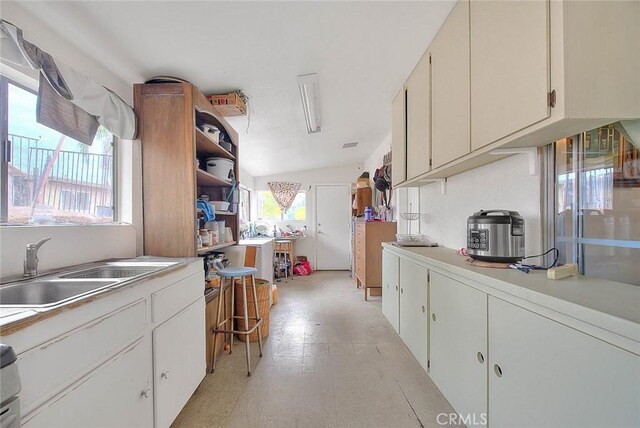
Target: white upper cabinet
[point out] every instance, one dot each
(450, 120)
(398, 139)
(509, 67)
(418, 111)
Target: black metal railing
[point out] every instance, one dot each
(65, 180)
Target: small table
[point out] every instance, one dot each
(292, 240)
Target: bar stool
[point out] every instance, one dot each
(284, 248)
(233, 273)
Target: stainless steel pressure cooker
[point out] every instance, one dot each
(496, 236)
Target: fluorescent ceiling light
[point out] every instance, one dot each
(310, 95)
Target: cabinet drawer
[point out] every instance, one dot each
(170, 300)
(54, 365)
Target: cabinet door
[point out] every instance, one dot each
(554, 376)
(450, 116)
(509, 67)
(418, 119)
(390, 288)
(398, 139)
(458, 344)
(413, 309)
(178, 361)
(116, 394)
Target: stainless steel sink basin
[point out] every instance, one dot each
(118, 270)
(47, 292)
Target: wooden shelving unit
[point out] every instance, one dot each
(205, 250)
(168, 115)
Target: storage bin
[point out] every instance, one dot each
(220, 167)
(263, 291)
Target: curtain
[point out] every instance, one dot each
(88, 98)
(284, 193)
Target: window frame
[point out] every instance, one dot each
(549, 199)
(282, 219)
(6, 156)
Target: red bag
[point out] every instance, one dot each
(302, 269)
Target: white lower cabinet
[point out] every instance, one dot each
(391, 289)
(543, 373)
(116, 394)
(413, 309)
(458, 345)
(178, 361)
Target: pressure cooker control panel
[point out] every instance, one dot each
(478, 239)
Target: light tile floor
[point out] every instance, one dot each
(331, 360)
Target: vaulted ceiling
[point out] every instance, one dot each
(363, 51)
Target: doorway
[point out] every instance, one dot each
(333, 217)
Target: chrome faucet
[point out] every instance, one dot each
(31, 259)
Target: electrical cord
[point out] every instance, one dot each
(527, 267)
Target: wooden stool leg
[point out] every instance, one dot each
(233, 312)
(255, 308)
(246, 324)
(217, 326)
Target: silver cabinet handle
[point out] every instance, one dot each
(433, 317)
(402, 290)
(423, 309)
(498, 370)
(480, 357)
(146, 393)
(165, 374)
(396, 288)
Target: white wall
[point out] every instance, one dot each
(309, 179)
(70, 245)
(505, 184)
(78, 244)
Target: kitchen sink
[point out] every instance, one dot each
(54, 289)
(118, 270)
(47, 292)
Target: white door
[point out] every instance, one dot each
(333, 236)
(545, 374)
(458, 345)
(390, 289)
(414, 314)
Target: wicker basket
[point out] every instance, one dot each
(263, 288)
(275, 295)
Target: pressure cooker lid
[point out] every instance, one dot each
(496, 217)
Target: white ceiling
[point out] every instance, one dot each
(363, 51)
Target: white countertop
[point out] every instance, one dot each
(610, 305)
(255, 242)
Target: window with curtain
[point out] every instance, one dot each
(48, 177)
(597, 201)
(269, 210)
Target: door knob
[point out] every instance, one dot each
(146, 393)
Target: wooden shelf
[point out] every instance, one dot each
(203, 178)
(204, 146)
(225, 213)
(205, 250)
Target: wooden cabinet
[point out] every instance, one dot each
(418, 114)
(178, 361)
(174, 173)
(360, 200)
(543, 373)
(414, 314)
(117, 393)
(450, 86)
(509, 67)
(369, 236)
(391, 289)
(398, 139)
(458, 344)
